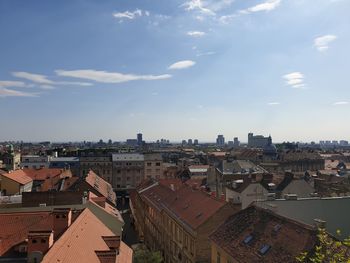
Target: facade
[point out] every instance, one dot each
(153, 166)
(100, 164)
(258, 235)
(177, 221)
(15, 182)
(35, 161)
(139, 139)
(220, 140)
(72, 163)
(257, 141)
(128, 170)
(11, 159)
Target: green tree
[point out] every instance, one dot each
(327, 250)
(143, 255)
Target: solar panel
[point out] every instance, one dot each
(248, 240)
(264, 249)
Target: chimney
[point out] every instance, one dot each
(62, 219)
(319, 223)
(39, 242)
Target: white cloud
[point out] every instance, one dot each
(273, 103)
(130, 15)
(209, 53)
(295, 80)
(198, 5)
(8, 84)
(322, 43)
(341, 103)
(14, 93)
(182, 64)
(195, 33)
(37, 78)
(107, 77)
(266, 6)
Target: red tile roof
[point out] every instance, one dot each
(125, 254)
(80, 241)
(15, 227)
(46, 173)
(192, 207)
(18, 176)
(100, 185)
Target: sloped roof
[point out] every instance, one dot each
(192, 207)
(102, 186)
(18, 176)
(80, 241)
(46, 173)
(244, 235)
(125, 254)
(15, 227)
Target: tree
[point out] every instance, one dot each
(327, 250)
(143, 255)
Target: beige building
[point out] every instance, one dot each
(101, 165)
(153, 166)
(15, 182)
(128, 170)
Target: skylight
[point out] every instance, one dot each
(264, 249)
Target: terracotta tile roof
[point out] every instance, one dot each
(80, 241)
(125, 254)
(192, 207)
(100, 185)
(18, 176)
(258, 235)
(46, 173)
(15, 227)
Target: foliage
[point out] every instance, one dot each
(143, 255)
(327, 250)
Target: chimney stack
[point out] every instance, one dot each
(39, 242)
(62, 219)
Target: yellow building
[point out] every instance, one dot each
(15, 182)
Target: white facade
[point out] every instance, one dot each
(35, 161)
(253, 192)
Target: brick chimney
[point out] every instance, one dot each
(62, 219)
(39, 241)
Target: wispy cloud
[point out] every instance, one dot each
(107, 77)
(182, 64)
(341, 103)
(37, 78)
(322, 43)
(195, 33)
(131, 14)
(209, 53)
(198, 5)
(265, 6)
(15, 84)
(14, 93)
(273, 103)
(295, 80)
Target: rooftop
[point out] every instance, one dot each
(18, 176)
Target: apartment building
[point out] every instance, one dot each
(153, 166)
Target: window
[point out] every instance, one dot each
(34, 241)
(149, 164)
(43, 241)
(157, 164)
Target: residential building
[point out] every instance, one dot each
(257, 141)
(128, 170)
(72, 163)
(101, 164)
(153, 166)
(178, 220)
(15, 182)
(258, 235)
(220, 140)
(35, 161)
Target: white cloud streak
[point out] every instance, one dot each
(341, 103)
(196, 33)
(322, 43)
(295, 80)
(37, 78)
(273, 103)
(130, 15)
(16, 84)
(182, 64)
(266, 6)
(14, 93)
(107, 77)
(198, 5)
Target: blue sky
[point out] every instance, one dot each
(85, 70)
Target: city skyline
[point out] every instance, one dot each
(86, 70)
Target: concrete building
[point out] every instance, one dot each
(220, 140)
(257, 141)
(153, 166)
(35, 161)
(128, 170)
(101, 164)
(139, 139)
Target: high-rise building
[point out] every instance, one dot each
(236, 142)
(189, 142)
(257, 141)
(220, 140)
(139, 139)
(196, 142)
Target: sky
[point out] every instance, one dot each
(90, 69)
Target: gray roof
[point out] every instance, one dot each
(65, 159)
(334, 210)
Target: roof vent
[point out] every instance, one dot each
(264, 249)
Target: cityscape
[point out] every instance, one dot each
(183, 131)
